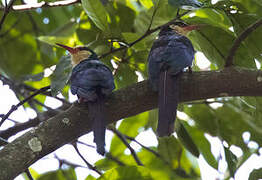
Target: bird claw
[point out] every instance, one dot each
(190, 70)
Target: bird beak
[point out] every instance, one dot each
(70, 49)
(192, 27)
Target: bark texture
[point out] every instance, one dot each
(63, 128)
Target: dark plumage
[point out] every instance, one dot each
(169, 55)
(91, 81)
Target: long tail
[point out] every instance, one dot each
(167, 103)
(98, 114)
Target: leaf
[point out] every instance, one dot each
(131, 37)
(52, 40)
(254, 40)
(90, 177)
(61, 75)
(216, 41)
(255, 174)
(34, 77)
(96, 11)
(170, 149)
(129, 126)
(204, 117)
(146, 3)
(59, 175)
(127, 173)
(231, 161)
(185, 4)
(186, 139)
(34, 174)
(202, 143)
(125, 75)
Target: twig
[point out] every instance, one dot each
(45, 106)
(147, 33)
(6, 11)
(109, 156)
(122, 138)
(88, 145)
(22, 86)
(147, 148)
(64, 161)
(237, 42)
(14, 121)
(42, 4)
(31, 123)
(153, 152)
(19, 127)
(14, 107)
(90, 166)
(30, 177)
(153, 15)
(3, 141)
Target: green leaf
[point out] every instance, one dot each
(170, 149)
(204, 117)
(59, 175)
(186, 4)
(231, 161)
(129, 126)
(146, 3)
(125, 75)
(127, 173)
(217, 49)
(186, 139)
(34, 77)
(202, 143)
(254, 40)
(90, 178)
(96, 11)
(61, 74)
(131, 37)
(233, 122)
(255, 174)
(34, 174)
(52, 40)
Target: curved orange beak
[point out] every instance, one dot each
(70, 49)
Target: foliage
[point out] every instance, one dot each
(27, 50)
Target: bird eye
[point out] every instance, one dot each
(172, 26)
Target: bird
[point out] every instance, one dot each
(170, 54)
(92, 81)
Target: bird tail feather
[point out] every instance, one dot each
(98, 114)
(167, 103)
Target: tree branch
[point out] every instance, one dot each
(14, 107)
(90, 166)
(65, 127)
(237, 43)
(6, 11)
(42, 4)
(5, 134)
(147, 33)
(123, 139)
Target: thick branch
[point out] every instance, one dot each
(26, 7)
(17, 156)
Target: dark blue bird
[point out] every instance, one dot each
(171, 52)
(91, 81)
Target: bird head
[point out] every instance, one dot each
(182, 28)
(79, 53)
